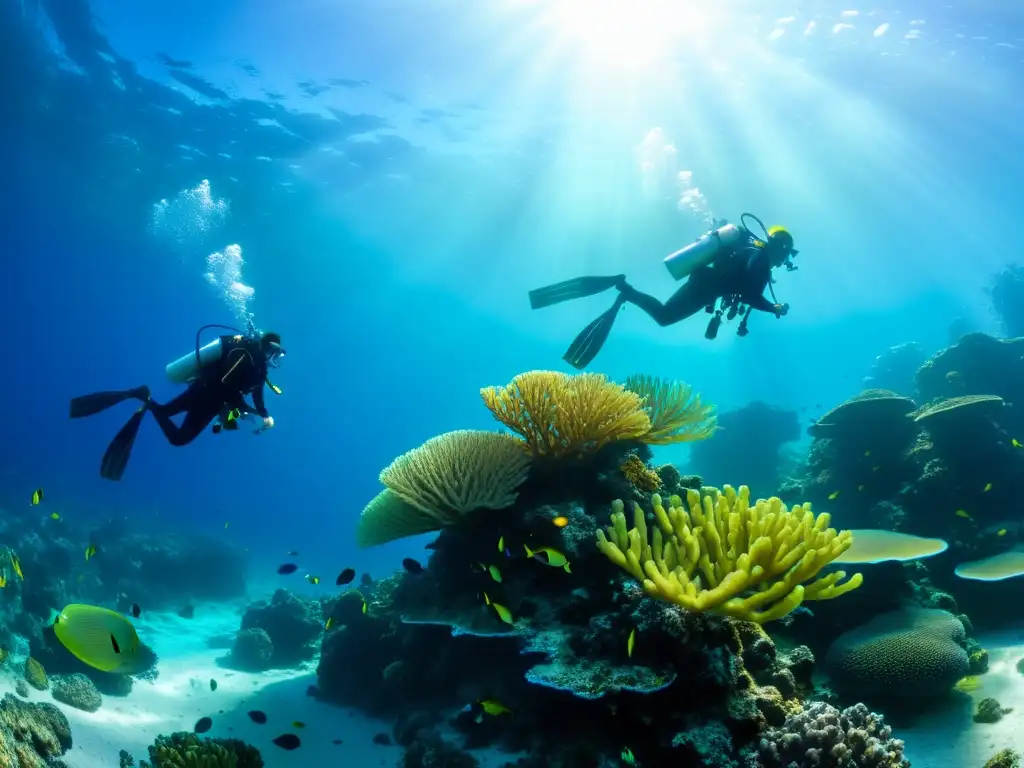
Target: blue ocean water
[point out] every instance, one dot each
(397, 177)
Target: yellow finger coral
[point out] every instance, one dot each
(726, 556)
(677, 414)
(558, 415)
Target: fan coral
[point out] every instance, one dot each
(676, 413)
(558, 415)
(737, 548)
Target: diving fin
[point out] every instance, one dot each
(577, 288)
(120, 449)
(590, 340)
(89, 405)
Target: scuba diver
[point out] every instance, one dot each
(219, 375)
(728, 270)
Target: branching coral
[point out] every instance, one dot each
(764, 549)
(186, 750)
(677, 414)
(558, 415)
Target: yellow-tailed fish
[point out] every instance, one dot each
(328, 623)
(963, 514)
(298, 724)
(501, 544)
(503, 613)
(561, 521)
(55, 515)
(631, 643)
(37, 496)
(3, 580)
(987, 488)
(1001, 532)
(549, 556)
(312, 579)
(968, 684)
(16, 564)
(1015, 443)
(494, 707)
(101, 638)
(90, 551)
(495, 573)
(833, 496)
(366, 607)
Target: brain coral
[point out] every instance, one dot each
(907, 653)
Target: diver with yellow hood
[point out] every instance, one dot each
(728, 270)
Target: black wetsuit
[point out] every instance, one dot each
(241, 370)
(745, 274)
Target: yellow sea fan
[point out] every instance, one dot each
(558, 415)
(677, 414)
(724, 555)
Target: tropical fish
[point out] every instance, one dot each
(312, 579)
(203, 724)
(412, 566)
(213, 684)
(136, 610)
(1001, 532)
(495, 573)
(494, 707)
(627, 756)
(90, 552)
(55, 515)
(963, 514)
(16, 564)
(298, 724)
(287, 568)
(3, 580)
(833, 496)
(631, 643)
(561, 521)
(548, 556)
(293, 553)
(288, 741)
(328, 623)
(37, 496)
(260, 718)
(337, 741)
(226, 525)
(1016, 443)
(867, 453)
(345, 577)
(366, 606)
(987, 488)
(501, 544)
(101, 638)
(503, 613)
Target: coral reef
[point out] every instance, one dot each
(990, 711)
(749, 443)
(77, 691)
(31, 735)
(1007, 294)
(822, 736)
(896, 368)
(252, 651)
(35, 675)
(292, 624)
(764, 548)
(185, 750)
(1006, 758)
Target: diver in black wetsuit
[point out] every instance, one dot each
(729, 267)
(219, 376)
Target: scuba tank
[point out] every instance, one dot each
(703, 251)
(186, 368)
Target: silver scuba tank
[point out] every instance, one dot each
(186, 368)
(703, 251)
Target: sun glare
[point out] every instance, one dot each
(627, 34)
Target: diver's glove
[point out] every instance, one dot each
(781, 309)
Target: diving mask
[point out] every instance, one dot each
(275, 354)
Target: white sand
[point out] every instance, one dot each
(949, 738)
(181, 695)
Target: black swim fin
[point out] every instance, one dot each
(88, 405)
(120, 449)
(576, 288)
(590, 340)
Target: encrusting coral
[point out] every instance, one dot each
(639, 475)
(736, 547)
(186, 750)
(559, 415)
